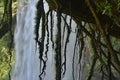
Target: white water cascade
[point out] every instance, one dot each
(27, 66)
(26, 56)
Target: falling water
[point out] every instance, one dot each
(27, 62)
(27, 66)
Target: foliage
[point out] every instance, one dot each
(5, 62)
(118, 5)
(1, 9)
(108, 9)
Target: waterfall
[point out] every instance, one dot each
(27, 66)
(27, 61)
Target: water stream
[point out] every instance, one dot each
(26, 56)
(27, 66)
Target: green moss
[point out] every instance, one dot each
(5, 58)
(107, 9)
(1, 8)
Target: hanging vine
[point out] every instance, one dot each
(40, 15)
(102, 48)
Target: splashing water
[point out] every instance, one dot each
(27, 65)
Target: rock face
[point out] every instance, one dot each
(107, 11)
